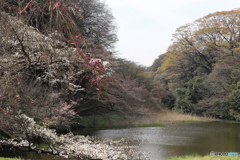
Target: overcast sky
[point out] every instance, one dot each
(145, 27)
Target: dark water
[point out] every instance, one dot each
(13, 152)
(164, 142)
(182, 138)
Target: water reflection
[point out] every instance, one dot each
(13, 152)
(182, 138)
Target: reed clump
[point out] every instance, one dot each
(169, 117)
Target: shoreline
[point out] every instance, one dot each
(161, 119)
(206, 157)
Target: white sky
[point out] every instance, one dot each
(145, 27)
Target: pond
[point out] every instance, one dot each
(182, 138)
(163, 142)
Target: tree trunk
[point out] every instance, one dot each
(6, 134)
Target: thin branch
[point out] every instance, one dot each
(22, 47)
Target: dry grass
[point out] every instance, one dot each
(170, 116)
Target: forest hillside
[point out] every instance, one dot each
(57, 66)
(201, 67)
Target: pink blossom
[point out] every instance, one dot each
(77, 8)
(56, 5)
(78, 36)
(71, 42)
(95, 61)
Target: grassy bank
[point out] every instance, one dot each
(170, 117)
(103, 121)
(117, 120)
(194, 157)
(1, 158)
(150, 125)
(41, 145)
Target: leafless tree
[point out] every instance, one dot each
(96, 22)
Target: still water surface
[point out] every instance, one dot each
(182, 138)
(175, 140)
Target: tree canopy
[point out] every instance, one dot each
(201, 64)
